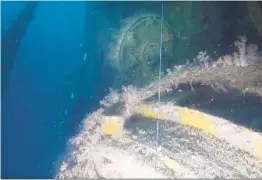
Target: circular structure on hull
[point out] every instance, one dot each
(135, 51)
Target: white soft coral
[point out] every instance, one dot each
(240, 58)
(252, 53)
(203, 59)
(247, 54)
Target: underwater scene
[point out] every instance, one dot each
(131, 89)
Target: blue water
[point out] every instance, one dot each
(38, 115)
(52, 87)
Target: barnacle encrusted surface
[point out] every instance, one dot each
(193, 143)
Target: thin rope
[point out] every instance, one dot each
(159, 76)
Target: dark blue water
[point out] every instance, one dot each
(38, 115)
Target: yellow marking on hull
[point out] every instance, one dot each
(149, 113)
(196, 120)
(111, 127)
(173, 165)
(258, 147)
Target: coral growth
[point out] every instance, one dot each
(92, 156)
(203, 59)
(241, 71)
(245, 55)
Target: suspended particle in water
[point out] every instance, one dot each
(72, 96)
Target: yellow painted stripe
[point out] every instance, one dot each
(111, 127)
(258, 147)
(196, 120)
(149, 113)
(173, 165)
